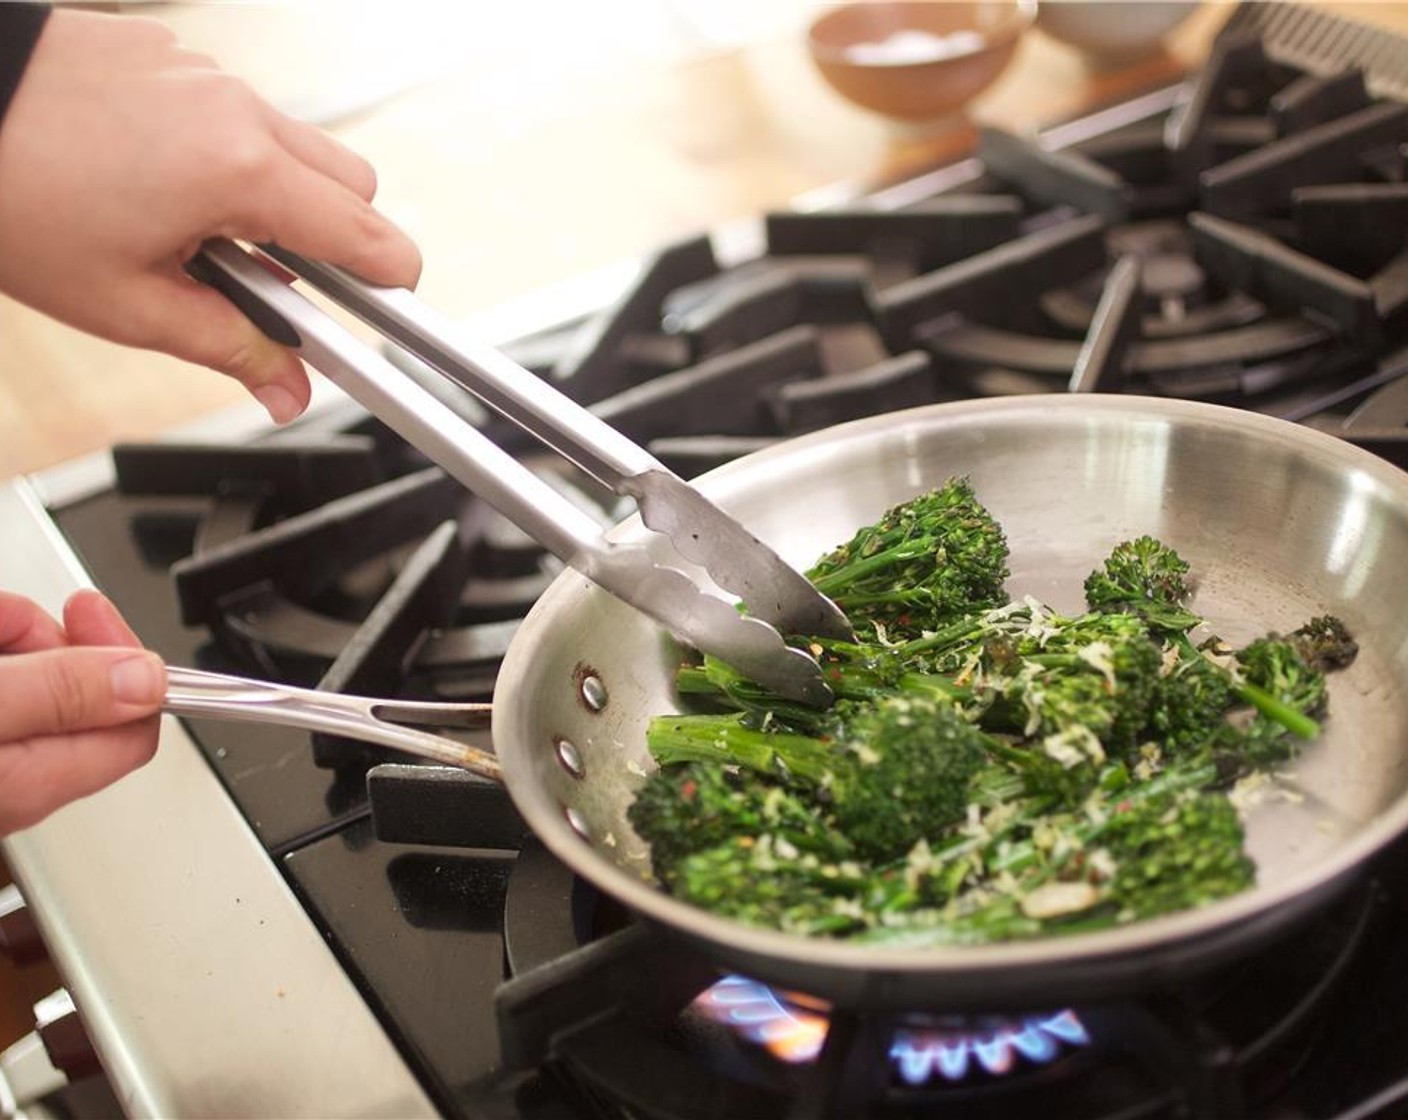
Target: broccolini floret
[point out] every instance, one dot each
(922, 563)
(1288, 695)
(1275, 665)
(766, 883)
(1069, 870)
(1325, 643)
(1081, 685)
(1146, 578)
(896, 771)
(1143, 577)
(1189, 701)
(908, 766)
(1176, 852)
(682, 809)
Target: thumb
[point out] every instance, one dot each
(191, 321)
(76, 689)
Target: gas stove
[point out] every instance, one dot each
(264, 922)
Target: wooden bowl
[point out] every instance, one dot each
(913, 60)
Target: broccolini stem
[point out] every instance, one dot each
(724, 740)
(848, 681)
(728, 686)
(965, 629)
(934, 686)
(1059, 661)
(878, 562)
(1296, 722)
(1293, 720)
(693, 680)
(993, 924)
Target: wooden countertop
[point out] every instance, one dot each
(515, 168)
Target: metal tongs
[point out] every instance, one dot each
(779, 600)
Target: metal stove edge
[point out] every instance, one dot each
(264, 1020)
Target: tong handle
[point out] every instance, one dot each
(194, 692)
(699, 531)
(416, 415)
(574, 432)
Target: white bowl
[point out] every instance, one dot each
(1112, 30)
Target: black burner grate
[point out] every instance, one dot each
(1325, 43)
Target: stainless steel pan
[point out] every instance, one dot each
(1279, 522)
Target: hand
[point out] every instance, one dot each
(79, 704)
(121, 153)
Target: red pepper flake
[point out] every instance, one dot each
(903, 619)
(1124, 806)
(689, 789)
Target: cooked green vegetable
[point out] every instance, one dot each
(895, 771)
(1143, 577)
(1175, 852)
(991, 769)
(695, 806)
(1323, 643)
(923, 562)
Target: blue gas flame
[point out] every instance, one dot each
(759, 1015)
(919, 1055)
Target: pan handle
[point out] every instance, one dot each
(193, 692)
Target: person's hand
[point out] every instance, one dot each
(79, 704)
(121, 153)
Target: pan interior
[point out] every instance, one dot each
(1278, 523)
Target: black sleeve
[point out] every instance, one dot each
(20, 25)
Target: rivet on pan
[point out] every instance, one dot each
(569, 756)
(578, 825)
(593, 692)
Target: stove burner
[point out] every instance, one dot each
(760, 1015)
(1168, 276)
(919, 1055)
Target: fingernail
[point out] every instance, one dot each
(280, 404)
(137, 679)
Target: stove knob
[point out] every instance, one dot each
(19, 936)
(65, 1039)
(27, 1076)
